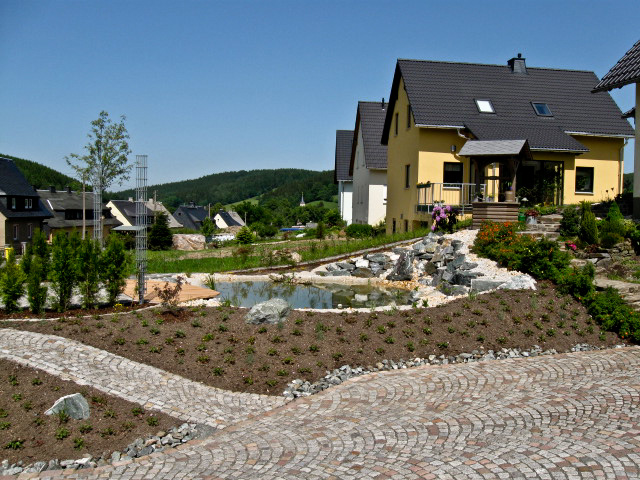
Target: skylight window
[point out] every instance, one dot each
(485, 106)
(542, 109)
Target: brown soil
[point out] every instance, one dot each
(216, 347)
(26, 393)
(74, 312)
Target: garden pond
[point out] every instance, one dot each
(317, 296)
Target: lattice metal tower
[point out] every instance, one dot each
(97, 210)
(141, 223)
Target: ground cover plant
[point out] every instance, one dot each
(215, 345)
(29, 435)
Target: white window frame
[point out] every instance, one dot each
(485, 105)
(16, 231)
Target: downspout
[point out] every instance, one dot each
(621, 167)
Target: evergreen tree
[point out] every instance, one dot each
(114, 263)
(160, 236)
(36, 291)
(244, 236)
(11, 283)
(63, 273)
(588, 227)
(208, 227)
(88, 268)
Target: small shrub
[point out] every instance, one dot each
(588, 228)
(62, 433)
(85, 428)
(570, 223)
(356, 230)
(152, 421)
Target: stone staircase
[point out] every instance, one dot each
(547, 226)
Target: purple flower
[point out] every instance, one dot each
(433, 227)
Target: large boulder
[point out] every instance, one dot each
(76, 406)
(272, 311)
(188, 241)
(403, 268)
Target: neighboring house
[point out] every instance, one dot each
(66, 210)
(191, 216)
(368, 164)
(158, 207)
(21, 210)
(627, 71)
(125, 212)
(456, 130)
(224, 219)
(341, 175)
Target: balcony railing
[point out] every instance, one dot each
(459, 195)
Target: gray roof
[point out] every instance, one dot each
(370, 120)
(12, 181)
(191, 216)
(626, 71)
(344, 143)
(128, 210)
(492, 147)
(630, 113)
(443, 94)
(156, 206)
(229, 219)
(59, 202)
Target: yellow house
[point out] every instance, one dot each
(459, 133)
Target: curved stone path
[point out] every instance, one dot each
(570, 416)
(139, 383)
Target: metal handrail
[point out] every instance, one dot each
(459, 195)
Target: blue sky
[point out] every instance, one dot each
(218, 86)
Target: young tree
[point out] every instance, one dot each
(160, 236)
(36, 291)
(63, 273)
(114, 263)
(106, 158)
(88, 268)
(208, 227)
(11, 283)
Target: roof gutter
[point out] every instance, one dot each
(439, 126)
(589, 134)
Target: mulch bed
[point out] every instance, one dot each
(73, 312)
(29, 435)
(215, 345)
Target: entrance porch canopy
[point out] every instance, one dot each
(508, 152)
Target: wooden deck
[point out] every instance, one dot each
(188, 292)
(501, 212)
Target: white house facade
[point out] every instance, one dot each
(368, 165)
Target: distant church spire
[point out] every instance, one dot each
(302, 204)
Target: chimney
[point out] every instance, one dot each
(518, 65)
(52, 188)
(382, 104)
(131, 199)
(68, 188)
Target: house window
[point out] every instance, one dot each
(406, 225)
(452, 173)
(15, 232)
(28, 203)
(407, 171)
(584, 179)
(485, 106)
(30, 230)
(13, 203)
(396, 124)
(393, 226)
(408, 116)
(542, 109)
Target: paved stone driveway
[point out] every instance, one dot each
(571, 416)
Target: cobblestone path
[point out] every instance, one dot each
(149, 386)
(571, 416)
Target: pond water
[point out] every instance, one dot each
(247, 294)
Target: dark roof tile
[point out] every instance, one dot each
(626, 71)
(372, 115)
(344, 142)
(12, 181)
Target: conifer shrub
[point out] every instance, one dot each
(160, 236)
(245, 236)
(63, 273)
(88, 268)
(114, 263)
(570, 223)
(588, 228)
(36, 291)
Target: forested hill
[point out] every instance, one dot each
(231, 187)
(41, 176)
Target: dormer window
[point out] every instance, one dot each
(485, 106)
(28, 203)
(542, 109)
(13, 203)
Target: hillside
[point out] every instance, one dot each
(232, 187)
(41, 176)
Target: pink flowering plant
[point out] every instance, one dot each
(571, 246)
(444, 218)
